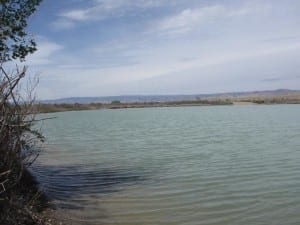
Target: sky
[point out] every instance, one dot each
(149, 47)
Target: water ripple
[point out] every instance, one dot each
(179, 166)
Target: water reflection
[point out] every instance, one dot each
(67, 184)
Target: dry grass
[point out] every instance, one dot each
(21, 202)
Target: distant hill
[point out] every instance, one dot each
(169, 98)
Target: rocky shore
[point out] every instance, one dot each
(27, 204)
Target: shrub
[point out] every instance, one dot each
(18, 145)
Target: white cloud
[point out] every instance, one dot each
(103, 9)
(190, 19)
(62, 24)
(46, 50)
(76, 15)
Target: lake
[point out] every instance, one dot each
(214, 165)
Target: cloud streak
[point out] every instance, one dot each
(281, 78)
(105, 9)
(46, 50)
(191, 19)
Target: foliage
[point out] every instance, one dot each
(18, 138)
(115, 102)
(14, 41)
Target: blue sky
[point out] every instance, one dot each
(125, 47)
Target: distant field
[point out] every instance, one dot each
(49, 108)
(286, 94)
(221, 100)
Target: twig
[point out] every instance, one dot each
(4, 173)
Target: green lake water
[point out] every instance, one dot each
(216, 165)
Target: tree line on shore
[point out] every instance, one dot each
(62, 107)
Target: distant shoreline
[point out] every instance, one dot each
(239, 96)
(64, 107)
(51, 108)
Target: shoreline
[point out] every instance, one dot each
(30, 204)
(64, 107)
(51, 108)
